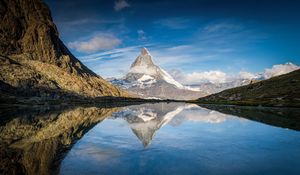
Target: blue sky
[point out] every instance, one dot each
(188, 36)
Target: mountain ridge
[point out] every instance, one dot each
(35, 60)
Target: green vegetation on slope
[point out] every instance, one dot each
(282, 90)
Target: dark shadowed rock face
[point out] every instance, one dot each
(33, 56)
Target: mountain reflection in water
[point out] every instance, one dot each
(40, 142)
(144, 120)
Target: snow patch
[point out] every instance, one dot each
(146, 115)
(145, 78)
(144, 81)
(192, 89)
(153, 98)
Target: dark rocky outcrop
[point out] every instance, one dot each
(32, 57)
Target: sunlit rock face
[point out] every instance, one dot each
(149, 80)
(35, 61)
(36, 143)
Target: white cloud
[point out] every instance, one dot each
(276, 70)
(216, 76)
(180, 48)
(280, 69)
(213, 76)
(246, 75)
(109, 53)
(120, 4)
(97, 43)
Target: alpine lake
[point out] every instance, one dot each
(154, 138)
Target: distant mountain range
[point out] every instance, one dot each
(212, 88)
(150, 81)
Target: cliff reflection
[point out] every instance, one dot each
(36, 143)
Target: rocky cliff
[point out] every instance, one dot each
(35, 62)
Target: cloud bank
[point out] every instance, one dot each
(199, 77)
(198, 114)
(96, 43)
(280, 69)
(216, 76)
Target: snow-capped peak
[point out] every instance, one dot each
(144, 66)
(143, 60)
(145, 51)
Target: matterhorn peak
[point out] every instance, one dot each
(151, 81)
(144, 60)
(144, 51)
(144, 65)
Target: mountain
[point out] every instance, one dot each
(35, 62)
(146, 119)
(283, 90)
(212, 88)
(151, 81)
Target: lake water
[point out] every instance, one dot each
(161, 138)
